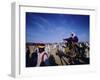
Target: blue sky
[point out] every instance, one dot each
(48, 27)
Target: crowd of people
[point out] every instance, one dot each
(69, 52)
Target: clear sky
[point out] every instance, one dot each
(48, 27)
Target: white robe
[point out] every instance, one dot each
(40, 58)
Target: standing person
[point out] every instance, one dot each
(27, 57)
(42, 56)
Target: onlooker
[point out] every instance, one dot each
(42, 56)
